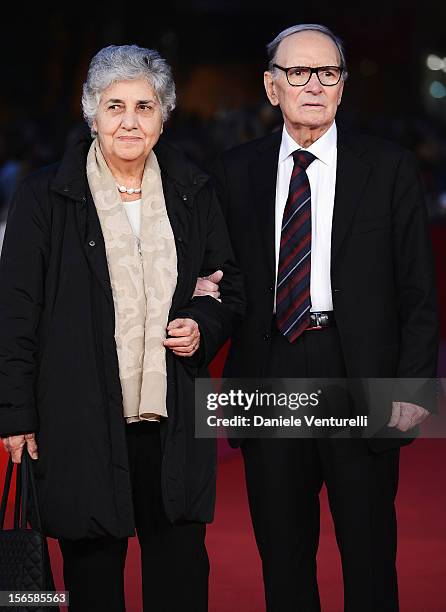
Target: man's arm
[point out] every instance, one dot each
(216, 318)
(209, 285)
(417, 302)
(414, 275)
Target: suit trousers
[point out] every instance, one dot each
(174, 561)
(284, 478)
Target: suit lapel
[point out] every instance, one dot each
(263, 177)
(351, 178)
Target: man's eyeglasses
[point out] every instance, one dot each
(297, 76)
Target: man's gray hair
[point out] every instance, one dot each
(272, 47)
(126, 63)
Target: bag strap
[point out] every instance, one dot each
(18, 495)
(24, 478)
(6, 489)
(29, 485)
(24, 489)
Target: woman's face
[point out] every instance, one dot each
(129, 121)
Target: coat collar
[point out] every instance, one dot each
(178, 168)
(71, 180)
(181, 180)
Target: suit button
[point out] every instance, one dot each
(184, 197)
(336, 290)
(266, 337)
(92, 243)
(179, 239)
(271, 289)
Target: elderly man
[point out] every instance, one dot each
(331, 233)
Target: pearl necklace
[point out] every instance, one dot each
(129, 190)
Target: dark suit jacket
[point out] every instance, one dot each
(382, 272)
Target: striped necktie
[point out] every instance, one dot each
(293, 301)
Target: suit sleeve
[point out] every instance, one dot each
(216, 320)
(22, 272)
(415, 283)
(414, 275)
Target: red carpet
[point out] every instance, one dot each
(236, 584)
(236, 581)
(235, 576)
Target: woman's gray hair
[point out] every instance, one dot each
(271, 48)
(126, 63)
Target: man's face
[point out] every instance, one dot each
(313, 105)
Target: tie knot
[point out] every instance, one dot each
(303, 158)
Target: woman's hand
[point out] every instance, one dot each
(185, 337)
(15, 444)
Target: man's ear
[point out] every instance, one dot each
(341, 90)
(270, 88)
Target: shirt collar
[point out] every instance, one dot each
(323, 148)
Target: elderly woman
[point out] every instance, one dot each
(100, 341)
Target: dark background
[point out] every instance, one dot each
(217, 51)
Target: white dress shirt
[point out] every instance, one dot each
(322, 177)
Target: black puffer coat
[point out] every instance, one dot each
(58, 363)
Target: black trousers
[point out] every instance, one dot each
(284, 478)
(175, 565)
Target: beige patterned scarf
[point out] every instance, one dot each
(142, 283)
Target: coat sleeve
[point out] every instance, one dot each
(216, 320)
(22, 272)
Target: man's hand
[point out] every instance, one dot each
(15, 444)
(185, 337)
(405, 416)
(208, 285)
